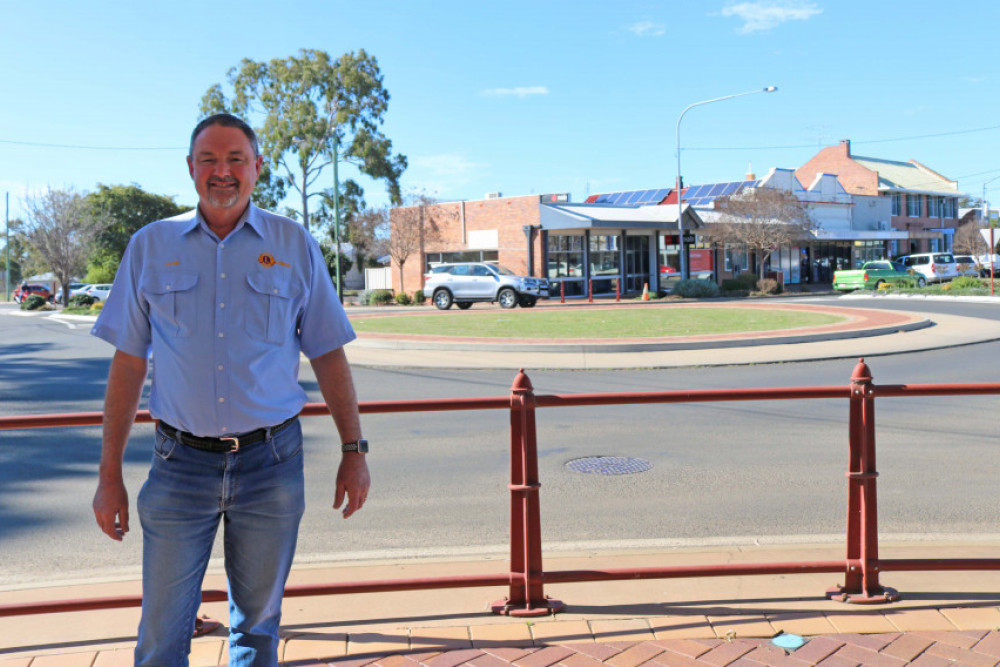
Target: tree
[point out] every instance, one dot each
(312, 111)
(410, 229)
(366, 232)
(60, 228)
(18, 254)
(763, 219)
(124, 209)
(968, 240)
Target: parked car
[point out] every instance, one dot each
(99, 292)
(74, 289)
(936, 267)
(874, 274)
(970, 266)
(24, 290)
(466, 283)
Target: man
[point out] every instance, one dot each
(224, 298)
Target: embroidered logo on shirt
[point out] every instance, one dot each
(172, 264)
(268, 260)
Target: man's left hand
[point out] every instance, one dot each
(353, 482)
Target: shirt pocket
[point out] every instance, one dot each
(271, 306)
(172, 304)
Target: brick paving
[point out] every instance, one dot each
(976, 649)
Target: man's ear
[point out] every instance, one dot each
(190, 167)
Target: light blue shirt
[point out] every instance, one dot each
(225, 320)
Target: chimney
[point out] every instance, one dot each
(750, 176)
(846, 143)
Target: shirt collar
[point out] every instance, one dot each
(251, 217)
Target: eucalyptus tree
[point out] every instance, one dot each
(311, 112)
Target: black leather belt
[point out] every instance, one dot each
(224, 444)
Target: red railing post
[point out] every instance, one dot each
(527, 597)
(562, 291)
(861, 584)
(590, 290)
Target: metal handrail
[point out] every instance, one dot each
(526, 576)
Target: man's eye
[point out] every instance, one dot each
(206, 160)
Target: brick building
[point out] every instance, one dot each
(923, 203)
(577, 246)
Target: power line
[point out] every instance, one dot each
(853, 142)
(39, 144)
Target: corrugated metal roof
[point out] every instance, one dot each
(893, 175)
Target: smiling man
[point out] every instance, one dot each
(225, 298)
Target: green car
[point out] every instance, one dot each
(874, 274)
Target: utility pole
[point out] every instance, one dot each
(6, 217)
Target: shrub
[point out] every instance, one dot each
(96, 306)
(404, 299)
(731, 286)
(696, 289)
(81, 300)
(33, 302)
(381, 297)
(965, 282)
(769, 286)
(419, 298)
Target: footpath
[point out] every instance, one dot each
(942, 618)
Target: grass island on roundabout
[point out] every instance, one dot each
(649, 325)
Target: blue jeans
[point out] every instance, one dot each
(257, 493)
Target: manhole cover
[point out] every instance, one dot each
(609, 465)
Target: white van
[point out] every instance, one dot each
(934, 266)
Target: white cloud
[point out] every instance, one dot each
(648, 29)
(522, 91)
(767, 14)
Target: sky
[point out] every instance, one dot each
(516, 97)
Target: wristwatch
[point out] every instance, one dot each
(360, 445)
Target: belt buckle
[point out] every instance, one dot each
(236, 444)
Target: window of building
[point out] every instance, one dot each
(737, 257)
(868, 251)
(933, 207)
(950, 208)
(565, 256)
(897, 203)
(914, 206)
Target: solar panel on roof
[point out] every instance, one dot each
(717, 189)
(634, 196)
(730, 188)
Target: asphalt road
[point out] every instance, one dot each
(721, 472)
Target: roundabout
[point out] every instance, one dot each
(853, 332)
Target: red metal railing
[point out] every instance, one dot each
(526, 576)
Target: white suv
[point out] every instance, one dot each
(934, 266)
(468, 282)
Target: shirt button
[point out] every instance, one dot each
(221, 246)
(222, 305)
(219, 367)
(168, 287)
(222, 275)
(221, 399)
(275, 290)
(222, 335)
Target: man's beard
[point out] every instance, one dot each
(223, 199)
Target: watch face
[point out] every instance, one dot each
(360, 446)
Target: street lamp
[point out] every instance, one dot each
(685, 273)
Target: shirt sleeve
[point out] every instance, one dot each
(323, 326)
(124, 318)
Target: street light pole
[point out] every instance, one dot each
(6, 263)
(336, 212)
(685, 272)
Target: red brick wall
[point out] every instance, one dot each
(857, 180)
(507, 216)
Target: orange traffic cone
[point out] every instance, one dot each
(645, 291)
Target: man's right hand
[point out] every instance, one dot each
(111, 509)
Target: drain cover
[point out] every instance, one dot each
(609, 465)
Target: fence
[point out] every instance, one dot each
(526, 577)
(378, 278)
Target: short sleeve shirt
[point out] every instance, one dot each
(224, 321)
